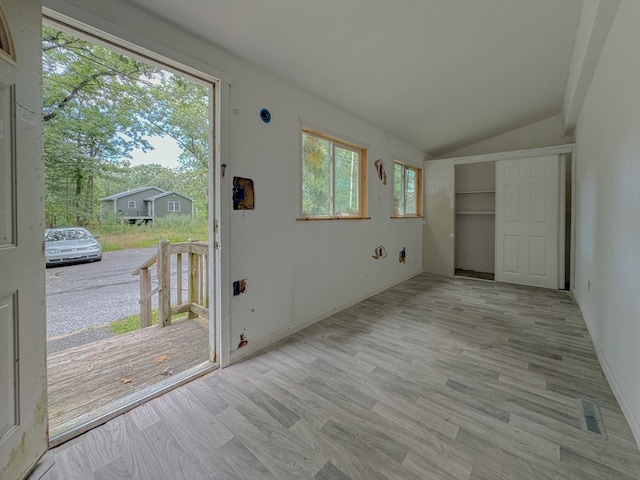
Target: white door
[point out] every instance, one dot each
(527, 221)
(23, 393)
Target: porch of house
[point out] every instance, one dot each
(135, 217)
(87, 381)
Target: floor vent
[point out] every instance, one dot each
(591, 417)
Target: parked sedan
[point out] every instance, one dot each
(70, 245)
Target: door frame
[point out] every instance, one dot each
(563, 151)
(219, 342)
(78, 18)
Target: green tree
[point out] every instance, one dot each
(91, 95)
(330, 177)
(316, 168)
(98, 106)
(137, 176)
(182, 113)
(346, 176)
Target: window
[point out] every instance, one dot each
(407, 190)
(131, 204)
(174, 206)
(333, 176)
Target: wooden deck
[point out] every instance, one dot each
(85, 380)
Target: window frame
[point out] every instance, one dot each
(130, 202)
(362, 177)
(173, 203)
(418, 190)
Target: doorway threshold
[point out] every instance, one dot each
(474, 274)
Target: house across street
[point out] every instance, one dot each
(143, 205)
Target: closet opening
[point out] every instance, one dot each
(475, 198)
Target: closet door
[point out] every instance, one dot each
(527, 221)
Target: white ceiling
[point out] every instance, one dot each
(439, 74)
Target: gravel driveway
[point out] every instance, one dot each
(91, 294)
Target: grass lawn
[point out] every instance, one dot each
(120, 236)
(132, 322)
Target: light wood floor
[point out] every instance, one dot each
(84, 381)
(437, 378)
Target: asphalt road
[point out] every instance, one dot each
(88, 295)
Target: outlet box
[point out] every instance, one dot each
(239, 286)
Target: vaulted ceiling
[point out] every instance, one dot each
(439, 74)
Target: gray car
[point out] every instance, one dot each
(70, 245)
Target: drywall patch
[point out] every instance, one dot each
(380, 253)
(382, 175)
(243, 194)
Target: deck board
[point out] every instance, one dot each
(89, 377)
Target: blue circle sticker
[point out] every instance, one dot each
(265, 115)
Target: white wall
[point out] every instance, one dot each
(298, 269)
(296, 272)
(607, 254)
(439, 222)
(545, 133)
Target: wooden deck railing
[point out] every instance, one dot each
(197, 278)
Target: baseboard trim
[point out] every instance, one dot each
(256, 345)
(627, 411)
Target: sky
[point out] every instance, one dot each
(165, 153)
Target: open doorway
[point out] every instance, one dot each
(128, 155)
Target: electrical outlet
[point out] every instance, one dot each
(239, 286)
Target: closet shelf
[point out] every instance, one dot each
(476, 212)
(471, 192)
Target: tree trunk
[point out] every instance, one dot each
(89, 206)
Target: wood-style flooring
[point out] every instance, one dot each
(437, 378)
